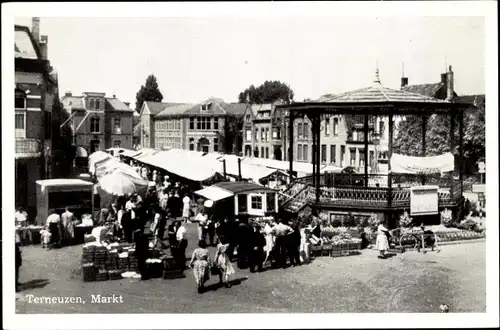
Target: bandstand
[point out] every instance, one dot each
(388, 193)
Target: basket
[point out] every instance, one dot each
(89, 272)
(154, 269)
(115, 274)
(102, 275)
(123, 263)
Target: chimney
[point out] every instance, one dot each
(68, 93)
(443, 78)
(43, 46)
(449, 85)
(114, 96)
(404, 81)
(35, 28)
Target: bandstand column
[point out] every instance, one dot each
(318, 157)
(389, 176)
(424, 146)
(452, 144)
(313, 149)
(461, 150)
(366, 149)
(290, 143)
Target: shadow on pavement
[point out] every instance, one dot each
(216, 286)
(33, 284)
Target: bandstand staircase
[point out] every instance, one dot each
(295, 197)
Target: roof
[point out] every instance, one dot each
(237, 109)
(241, 187)
(378, 93)
(172, 110)
(25, 45)
(424, 89)
(156, 107)
(117, 105)
(63, 182)
(474, 100)
(214, 193)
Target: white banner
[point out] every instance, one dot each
(424, 200)
(422, 165)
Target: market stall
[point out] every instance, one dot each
(233, 199)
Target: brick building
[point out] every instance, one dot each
(99, 122)
(188, 126)
(36, 118)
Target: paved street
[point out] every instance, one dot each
(412, 282)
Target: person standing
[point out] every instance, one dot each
(67, 223)
(126, 224)
(223, 263)
(201, 218)
(21, 217)
(268, 234)
(244, 241)
(200, 263)
(182, 245)
(19, 260)
(258, 241)
(294, 244)
(54, 225)
(382, 243)
(186, 208)
(172, 238)
(141, 252)
(281, 232)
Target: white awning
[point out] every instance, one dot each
(422, 165)
(214, 193)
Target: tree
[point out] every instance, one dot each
(148, 92)
(230, 139)
(268, 92)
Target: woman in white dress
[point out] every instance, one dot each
(305, 246)
(268, 234)
(186, 201)
(223, 263)
(382, 243)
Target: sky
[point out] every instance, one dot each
(202, 57)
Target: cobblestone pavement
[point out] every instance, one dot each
(409, 282)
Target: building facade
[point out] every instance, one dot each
(99, 122)
(201, 127)
(36, 121)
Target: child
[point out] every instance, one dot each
(46, 237)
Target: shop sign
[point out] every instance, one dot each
(424, 200)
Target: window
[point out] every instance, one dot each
(306, 131)
(323, 153)
(208, 123)
(242, 203)
(271, 202)
(97, 104)
(117, 125)
(327, 126)
(94, 125)
(248, 134)
(20, 101)
(267, 152)
(381, 128)
(335, 126)
(256, 136)
(203, 123)
(191, 123)
(333, 154)
(306, 152)
(177, 124)
(117, 143)
(354, 135)
(91, 104)
(263, 134)
(20, 128)
(216, 123)
(353, 157)
(262, 152)
(257, 202)
(372, 158)
(277, 133)
(267, 134)
(216, 144)
(361, 157)
(299, 152)
(299, 130)
(342, 155)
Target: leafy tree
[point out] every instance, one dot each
(148, 92)
(230, 139)
(268, 92)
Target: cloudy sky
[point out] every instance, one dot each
(197, 58)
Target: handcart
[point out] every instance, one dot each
(420, 240)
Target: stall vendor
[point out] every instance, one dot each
(54, 225)
(21, 217)
(67, 223)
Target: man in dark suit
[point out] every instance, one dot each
(258, 241)
(244, 241)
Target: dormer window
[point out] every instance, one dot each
(91, 104)
(97, 104)
(206, 106)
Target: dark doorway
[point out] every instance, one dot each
(203, 145)
(278, 154)
(94, 146)
(21, 184)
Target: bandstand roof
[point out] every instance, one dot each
(375, 99)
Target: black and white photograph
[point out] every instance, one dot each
(196, 165)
